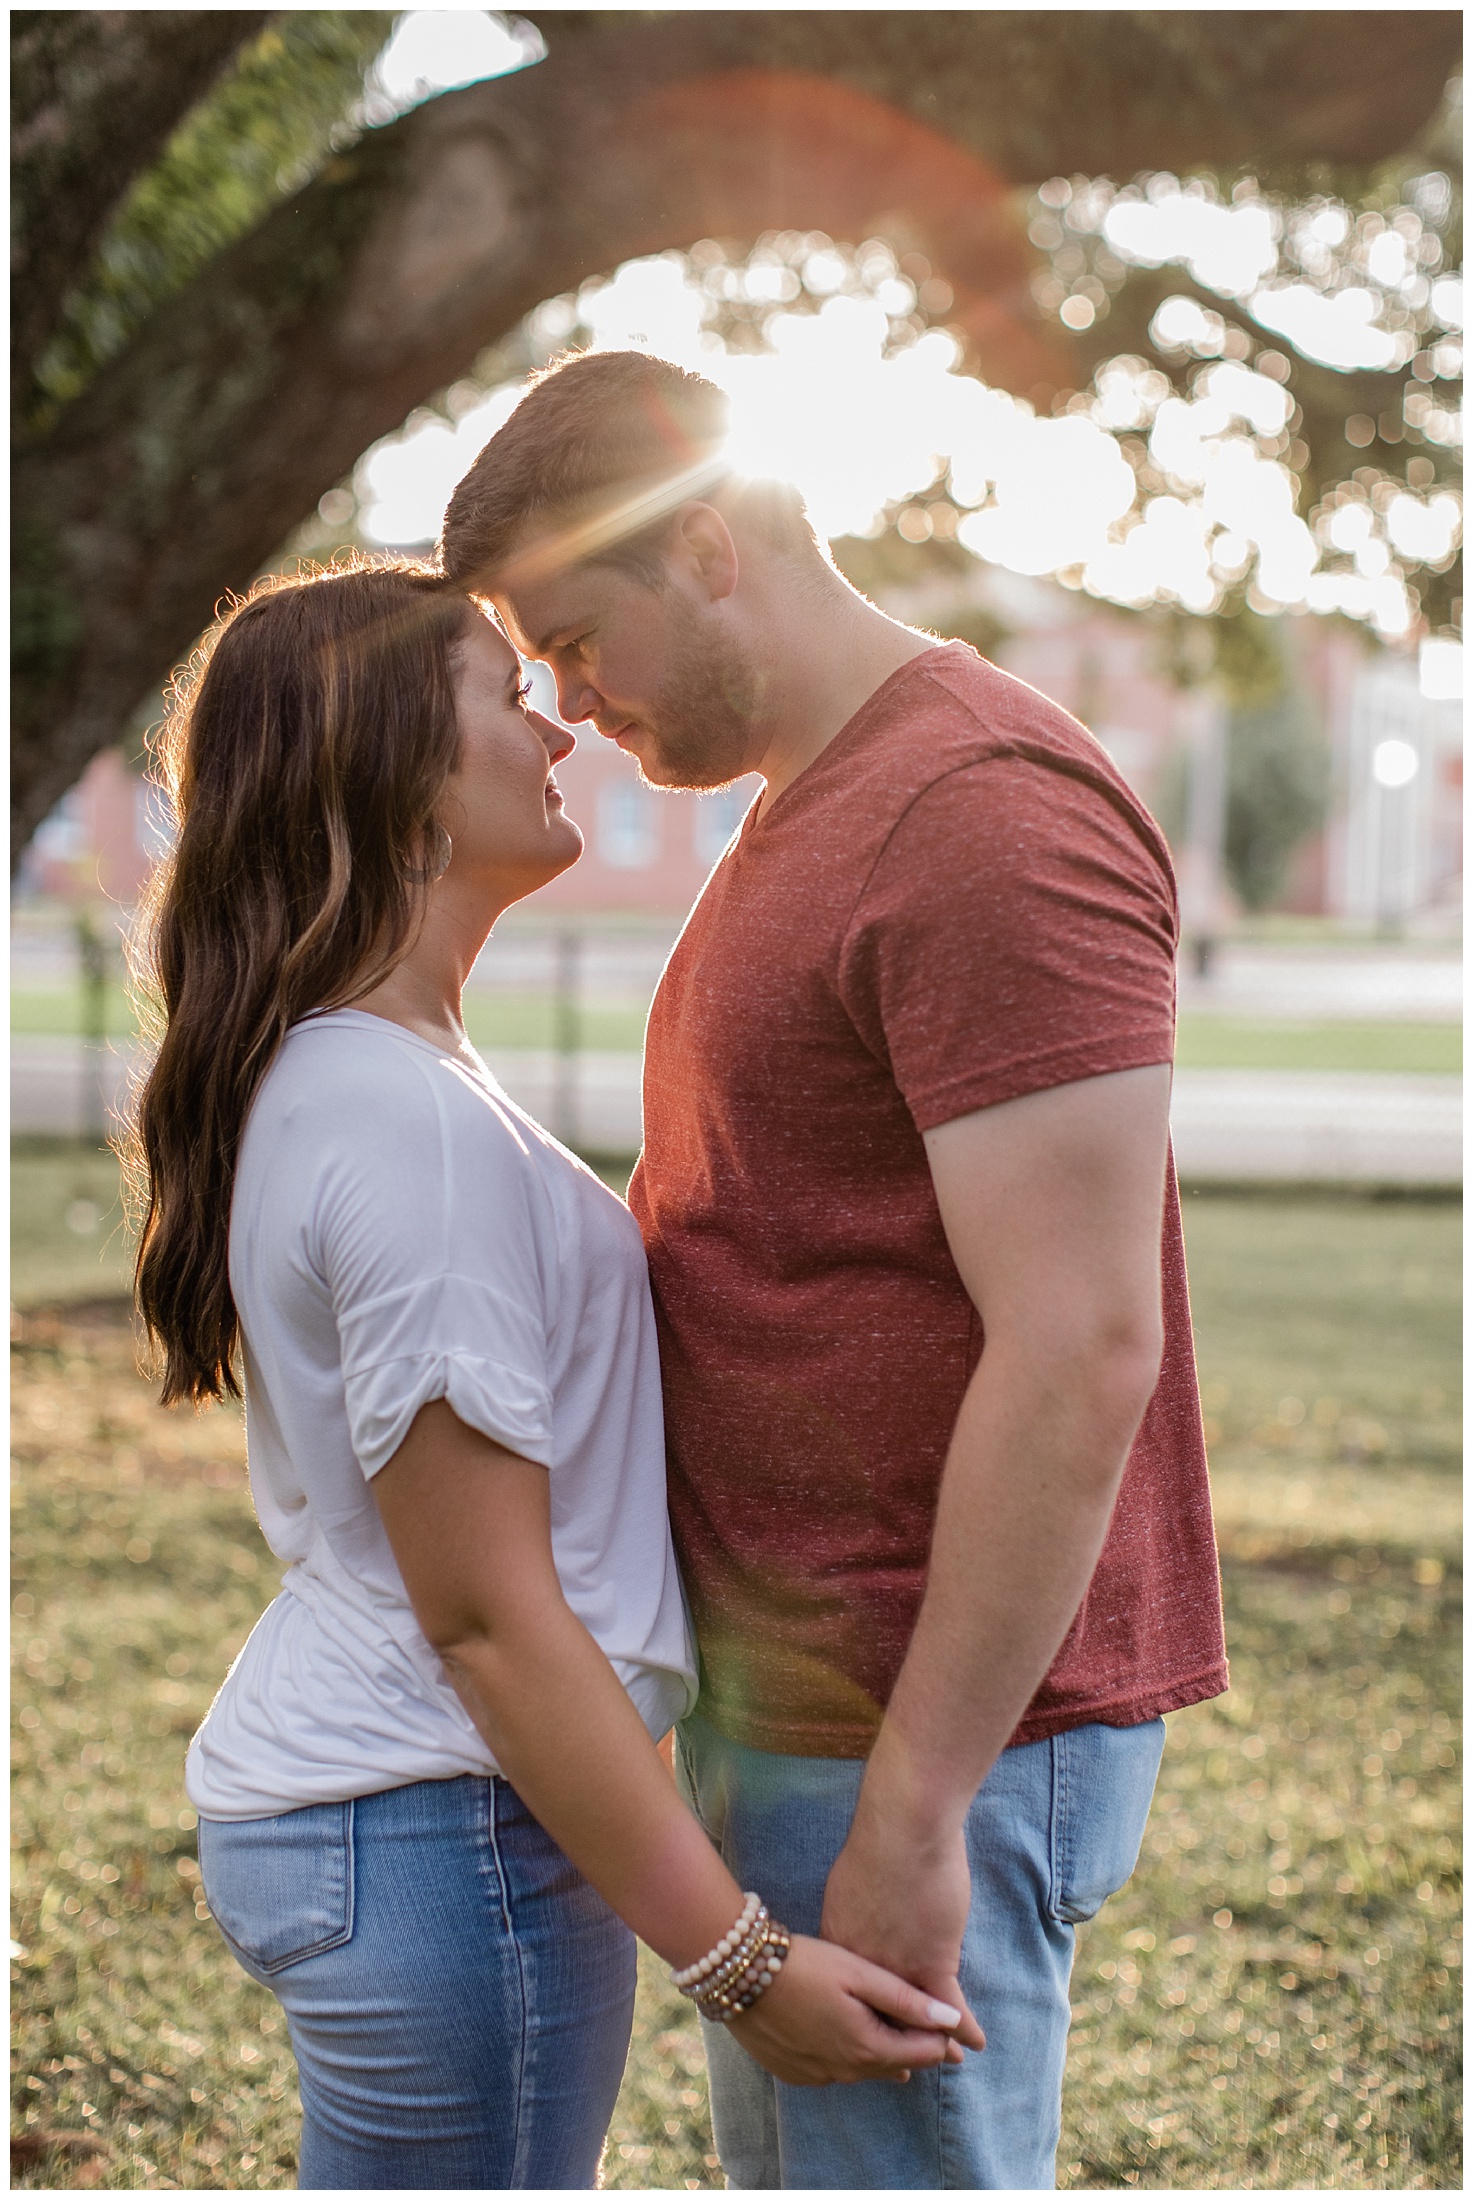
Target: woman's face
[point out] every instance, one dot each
(501, 806)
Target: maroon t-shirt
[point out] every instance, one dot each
(958, 902)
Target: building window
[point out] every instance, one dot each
(717, 816)
(628, 825)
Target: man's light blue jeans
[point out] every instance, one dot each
(1055, 1828)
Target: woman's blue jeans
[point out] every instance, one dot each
(1055, 1828)
(458, 1998)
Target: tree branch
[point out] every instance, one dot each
(187, 461)
(95, 93)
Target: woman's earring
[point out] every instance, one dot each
(440, 849)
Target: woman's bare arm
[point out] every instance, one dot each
(469, 1524)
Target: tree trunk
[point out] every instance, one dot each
(186, 463)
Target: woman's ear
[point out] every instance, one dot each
(705, 540)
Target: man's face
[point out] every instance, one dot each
(654, 669)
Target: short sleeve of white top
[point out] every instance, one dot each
(400, 1232)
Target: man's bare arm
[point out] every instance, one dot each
(1052, 1207)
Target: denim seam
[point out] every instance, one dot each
(943, 2126)
(1058, 1861)
(522, 2142)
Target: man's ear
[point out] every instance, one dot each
(704, 541)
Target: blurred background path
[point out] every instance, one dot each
(1333, 1061)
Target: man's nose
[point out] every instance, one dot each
(576, 700)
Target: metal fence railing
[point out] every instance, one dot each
(557, 1005)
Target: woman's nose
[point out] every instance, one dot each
(560, 741)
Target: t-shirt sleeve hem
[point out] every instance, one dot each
(1013, 1080)
(498, 1402)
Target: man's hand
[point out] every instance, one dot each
(904, 1903)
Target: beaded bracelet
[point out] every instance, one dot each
(735, 1966)
(722, 2002)
(724, 1947)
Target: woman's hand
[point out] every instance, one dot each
(817, 2024)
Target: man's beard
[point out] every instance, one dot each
(700, 723)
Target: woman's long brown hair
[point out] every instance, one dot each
(308, 745)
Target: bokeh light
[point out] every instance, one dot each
(1146, 488)
(437, 50)
(1394, 763)
(1440, 669)
(1227, 248)
(861, 424)
(1338, 331)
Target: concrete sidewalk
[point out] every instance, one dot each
(1316, 1127)
(1329, 984)
(1229, 1126)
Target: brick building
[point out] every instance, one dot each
(648, 852)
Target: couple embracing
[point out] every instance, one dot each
(893, 1335)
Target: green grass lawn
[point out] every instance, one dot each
(1272, 2002)
(1231, 1042)
(58, 1012)
(492, 1019)
(67, 1236)
(1203, 1042)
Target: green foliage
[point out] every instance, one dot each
(878, 565)
(1248, 660)
(46, 625)
(885, 561)
(1278, 784)
(1387, 431)
(1278, 761)
(971, 623)
(255, 139)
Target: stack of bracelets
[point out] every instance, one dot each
(741, 1966)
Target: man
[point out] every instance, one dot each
(906, 1087)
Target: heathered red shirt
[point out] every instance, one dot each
(958, 902)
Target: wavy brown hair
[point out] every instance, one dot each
(309, 742)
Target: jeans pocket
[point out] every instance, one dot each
(1104, 1778)
(280, 1889)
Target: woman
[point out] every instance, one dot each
(432, 1813)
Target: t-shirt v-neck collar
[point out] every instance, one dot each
(811, 774)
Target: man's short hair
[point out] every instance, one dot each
(599, 452)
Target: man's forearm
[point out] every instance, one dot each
(1029, 1487)
(1052, 1208)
